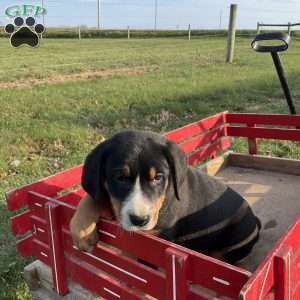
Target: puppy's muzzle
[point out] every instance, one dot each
(139, 221)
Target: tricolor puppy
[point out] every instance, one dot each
(146, 181)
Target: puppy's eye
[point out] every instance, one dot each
(121, 178)
(158, 178)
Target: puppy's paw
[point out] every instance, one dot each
(83, 226)
(84, 237)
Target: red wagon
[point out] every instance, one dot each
(113, 270)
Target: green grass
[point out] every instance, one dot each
(51, 127)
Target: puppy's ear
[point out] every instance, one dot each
(93, 174)
(178, 165)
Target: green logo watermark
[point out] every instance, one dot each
(23, 28)
(25, 10)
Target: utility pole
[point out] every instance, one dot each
(99, 14)
(155, 15)
(221, 15)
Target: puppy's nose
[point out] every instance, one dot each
(139, 220)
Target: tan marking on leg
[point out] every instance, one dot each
(83, 225)
(87, 231)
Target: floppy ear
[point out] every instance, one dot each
(178, 165)
(93, 174)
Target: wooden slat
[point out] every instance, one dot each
(295, 272)
(136, 243)
(55, 241)
(195, 294)
(49, 186)
(296, 292)
(264, 119)
(223, 280)
(73, 198)
(266, 133)
(292, 236)
(260, 162)
(24, 246)
(41, 251)
(208, 151)
(177, 268)
(261, 283)
(282, 274)
(214, 166)
(40, 229)
(180, 134)
(125, 269)
(21, 223)
(37, 203)
(98, 282)
(252, 143)
(201, 140)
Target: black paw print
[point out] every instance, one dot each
(24, 32)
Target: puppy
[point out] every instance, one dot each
(146, 181)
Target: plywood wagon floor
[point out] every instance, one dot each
(275, 198)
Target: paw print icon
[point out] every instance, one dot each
(24, 32)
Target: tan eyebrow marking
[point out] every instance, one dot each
(126, 171)
(152, 173)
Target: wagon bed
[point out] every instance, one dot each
(112, 270)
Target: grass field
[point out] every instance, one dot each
(60, 100)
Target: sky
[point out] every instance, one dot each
(171, 14)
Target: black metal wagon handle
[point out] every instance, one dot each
(284, 40)
(281, 37)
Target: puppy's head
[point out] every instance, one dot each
(136, 172)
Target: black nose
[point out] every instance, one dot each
(139, 220)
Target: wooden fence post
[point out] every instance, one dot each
(289, 28)
(189, 32)
(79, 33)
(128, 32)
(231, 33)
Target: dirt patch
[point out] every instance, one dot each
(57, 78)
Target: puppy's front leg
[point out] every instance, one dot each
(83, 226)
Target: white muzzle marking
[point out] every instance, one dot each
(136, 204)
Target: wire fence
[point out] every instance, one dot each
(289, 27)
(154, 14)
(189, 19)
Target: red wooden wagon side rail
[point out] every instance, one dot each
(42, 231)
